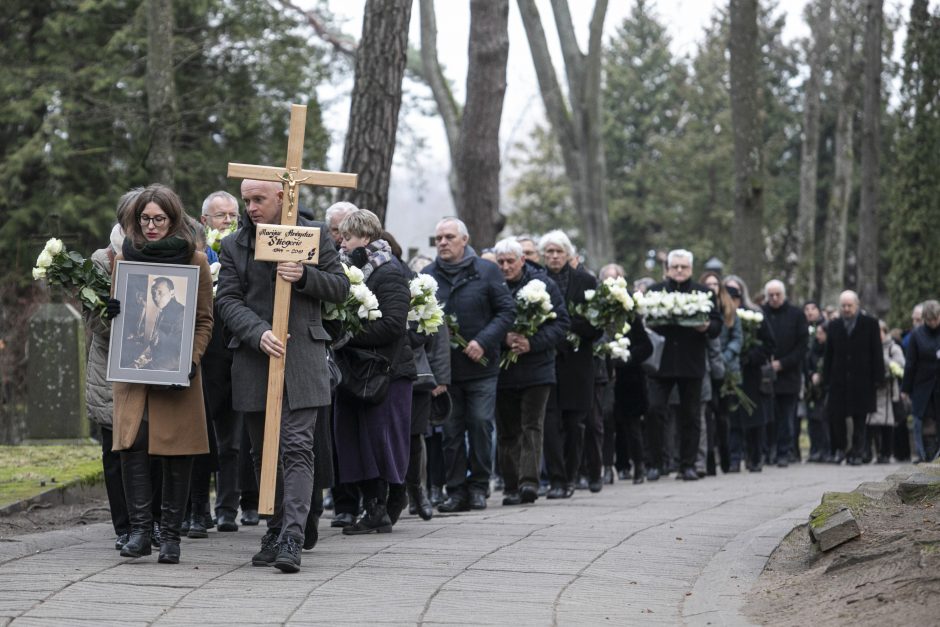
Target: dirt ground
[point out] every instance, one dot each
(890, 575)
(42, 517)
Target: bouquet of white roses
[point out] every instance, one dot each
(618, 348)
(424, 308)
(533, 308)
(896, 370)
(361, 304)
(609, 307)
(70, 270)
(750, 325)
(686, 309)
(214, 237)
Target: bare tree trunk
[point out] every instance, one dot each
(871, 138)
(162, 108)
(447, 105)
(820, 22)
(746, 232)
(577, 122)
(478, 148)
(376, 99)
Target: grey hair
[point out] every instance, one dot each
(508, 246)
(931, 310)
(558, 238)
(778, 283)
(461, 227)
(126, 202)
(745, 293)
(680, 252)
(341, 207)
(218, 194)
(613, 269)
(525, 237)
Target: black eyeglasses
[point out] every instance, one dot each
(158, 221)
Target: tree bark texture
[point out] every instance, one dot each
(845, 89)
(376, 100)
(162, 107)
(746, 231)
(868, 253)
(820, 23)
(447, 105)
(478, 149)
(577, 122)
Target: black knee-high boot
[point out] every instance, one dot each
(176, 473)
(135, 470)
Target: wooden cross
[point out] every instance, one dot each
(291, 176)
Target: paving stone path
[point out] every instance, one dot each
(668, 552)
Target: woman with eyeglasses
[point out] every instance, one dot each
(164, 421)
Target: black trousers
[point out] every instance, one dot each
(839, 436)
(688, 422)
(563, 442)
(520, 415)
(114, 482)
(247, 482)
(434, 446)
(593, 460)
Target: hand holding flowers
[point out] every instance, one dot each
(686, 309)
(750, 325)
(59, 266)
(360, 305)
(533, 308)
(424, 308)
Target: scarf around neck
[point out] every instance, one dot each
(452, 268)
(378, 252)
(169, 250)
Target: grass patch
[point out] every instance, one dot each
(26, 471)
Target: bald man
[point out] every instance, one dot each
(853, 368)
(245, 301)
(791, 339)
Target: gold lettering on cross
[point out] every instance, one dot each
(288, 177)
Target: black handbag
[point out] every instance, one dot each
(365, 374)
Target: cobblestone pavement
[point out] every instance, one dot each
(667, 552)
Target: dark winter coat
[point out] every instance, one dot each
(853, 367)
(685, 349)
(537, 367)
(245, 300)
(791, 334)
(574, 369)
(630, 385)
(478, 296)
(751, 363)
(922, 367)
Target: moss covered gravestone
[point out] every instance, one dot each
(55, 407)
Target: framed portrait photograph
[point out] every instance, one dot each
(152, 337)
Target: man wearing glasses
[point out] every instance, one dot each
(682, 366)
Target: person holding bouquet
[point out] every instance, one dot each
(881, 421)
(169, 422)
(528, 377)
(373, 436)
(682, 366)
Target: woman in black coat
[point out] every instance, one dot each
(920, 383)
(373, 439)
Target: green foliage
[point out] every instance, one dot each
(74, 131)
(915, 192)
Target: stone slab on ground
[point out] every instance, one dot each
(668, 552)
(829, 531)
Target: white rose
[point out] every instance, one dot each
(589, 294)
(39, 273)
(54, 246)
(354, 275)
(45, 259)
(375, 314)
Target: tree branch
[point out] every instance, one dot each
(434, 76)
(592, 80)
(341, 44)
(570, 51)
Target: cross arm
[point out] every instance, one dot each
(306, 177)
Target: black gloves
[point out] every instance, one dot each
(192, 375)
(112, 309)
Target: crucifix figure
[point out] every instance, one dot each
(243, 282)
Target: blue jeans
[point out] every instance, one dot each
(468, 435)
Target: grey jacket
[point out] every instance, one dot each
(245, 301)
(98, 396)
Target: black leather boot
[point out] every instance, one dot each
(135, 471)
(176, 472)
(374, 520)
(419, 498)
(397, 499)
(198, 528)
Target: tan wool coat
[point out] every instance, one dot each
(177, 417)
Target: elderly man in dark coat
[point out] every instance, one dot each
(245, 300)
(682, 366)
(853, 368)
(791, 334)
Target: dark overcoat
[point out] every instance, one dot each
(791, 333)
(574, 369)
(751, 363)
(245, 300)
(853, 367)
(921, 367)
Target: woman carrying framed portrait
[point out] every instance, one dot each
(161, 420)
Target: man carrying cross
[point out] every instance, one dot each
(245, 300)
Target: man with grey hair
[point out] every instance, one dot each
(474, 291)
(683, 366)
(791, 339)
(335, 214)
(530, 248)
(853, 368)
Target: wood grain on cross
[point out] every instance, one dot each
(291, 176)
